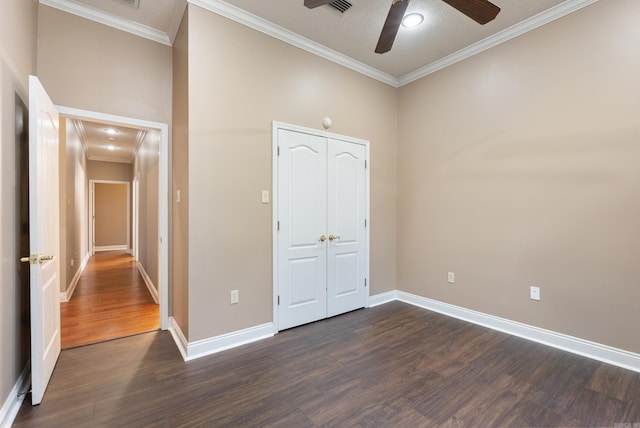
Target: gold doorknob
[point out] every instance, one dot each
(323, 238)
(33, 259)
(331, 237)
(36, 258)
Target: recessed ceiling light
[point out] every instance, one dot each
(111, 147)
(412, 20)
(110, 131)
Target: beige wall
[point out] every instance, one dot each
(146, 170)
(76, 202)
(73, 202)
(17, 61)
(519, 167)
(111, 220)
(113, 171)
(98, 68)
(241, 80)
(64, 124)
(18, 39)
(180, 180)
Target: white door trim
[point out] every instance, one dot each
(134, 233)
(163, 193)
(92, 207)
(276, 126)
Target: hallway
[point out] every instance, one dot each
(111, 301)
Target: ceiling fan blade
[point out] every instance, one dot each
(481, 11)
(311, 4)
(391, 26)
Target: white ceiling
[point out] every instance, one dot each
(108, 142)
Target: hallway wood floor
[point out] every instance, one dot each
(111, 301)
(394, 365)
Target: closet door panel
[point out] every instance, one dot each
(346, 192)
(302, 270)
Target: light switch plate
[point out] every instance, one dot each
(451, 277)
(535, 293)
(265, 196)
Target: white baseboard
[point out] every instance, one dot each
(607, 354)
(382, 298)
(12, 404)
(178, 337)
(147, 280)
(201, 348)
(65, 296)
(111, 248)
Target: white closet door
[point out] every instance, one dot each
(346, 260)
(302, 255)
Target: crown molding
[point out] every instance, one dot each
(176, 19)
(245, 18)
(82, 134)
(142, 134)
(113, 21)
(516, 30)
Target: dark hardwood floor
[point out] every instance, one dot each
(390, 366)
(111, 301)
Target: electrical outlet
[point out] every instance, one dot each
(535, 293)
(71, 262)
(451, 277)
(235, 297)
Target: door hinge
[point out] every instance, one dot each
(278, 224)
(365, 222)
(278, 150)
(278, 300)
(365, 164)
(365, 282)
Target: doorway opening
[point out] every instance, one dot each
(109, 216)
(117, 276)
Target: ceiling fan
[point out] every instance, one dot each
(481, 11)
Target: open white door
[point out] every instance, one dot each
(44, 238)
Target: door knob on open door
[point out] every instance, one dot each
(34, 259)
(331, 237)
